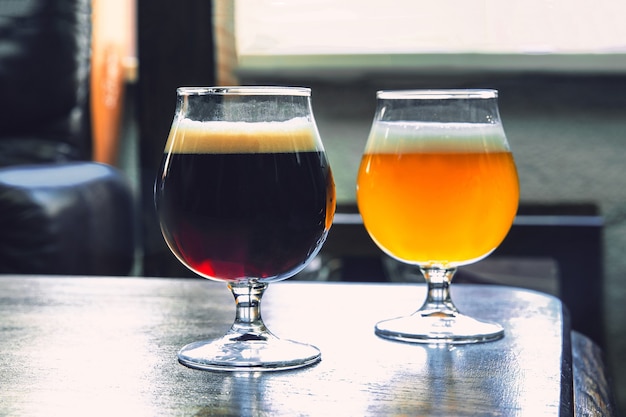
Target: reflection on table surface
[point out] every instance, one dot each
(107, 346)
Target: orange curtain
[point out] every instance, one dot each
(112, 65)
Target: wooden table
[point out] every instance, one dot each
(77, 346)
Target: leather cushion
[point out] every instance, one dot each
(73, 219)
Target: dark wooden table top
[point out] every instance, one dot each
(107, 347)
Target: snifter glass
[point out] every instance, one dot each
(245, 196)
(437, 188)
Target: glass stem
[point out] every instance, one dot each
(248, 323)
(438, 301)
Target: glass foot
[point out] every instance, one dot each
(439, 329)
(235, 352)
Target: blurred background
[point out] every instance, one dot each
(559, 65)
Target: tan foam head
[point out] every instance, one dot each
(189, 136)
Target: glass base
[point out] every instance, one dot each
(235, 353)
(439, 329)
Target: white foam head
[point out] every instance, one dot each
(409, 136)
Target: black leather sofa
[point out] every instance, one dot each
(60, 212)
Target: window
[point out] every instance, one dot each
(568, 35)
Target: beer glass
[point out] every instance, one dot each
(245, 196)
(437, 188)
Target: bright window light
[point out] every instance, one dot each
(412, 27)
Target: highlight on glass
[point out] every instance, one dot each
(245, 196)
(438, 188)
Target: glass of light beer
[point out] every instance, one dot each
(245, 196)
(437, 188)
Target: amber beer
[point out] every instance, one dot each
(244, 200)
(440, 195)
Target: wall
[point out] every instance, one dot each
(568, 135)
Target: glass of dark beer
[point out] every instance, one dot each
(245, 196)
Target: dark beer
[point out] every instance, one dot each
(238, 215)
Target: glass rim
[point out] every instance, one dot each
(256, 90)
(438, 94)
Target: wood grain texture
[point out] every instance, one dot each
(592, 389)
(107, 346)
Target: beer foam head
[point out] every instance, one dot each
(406, 136)
(191, 136)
